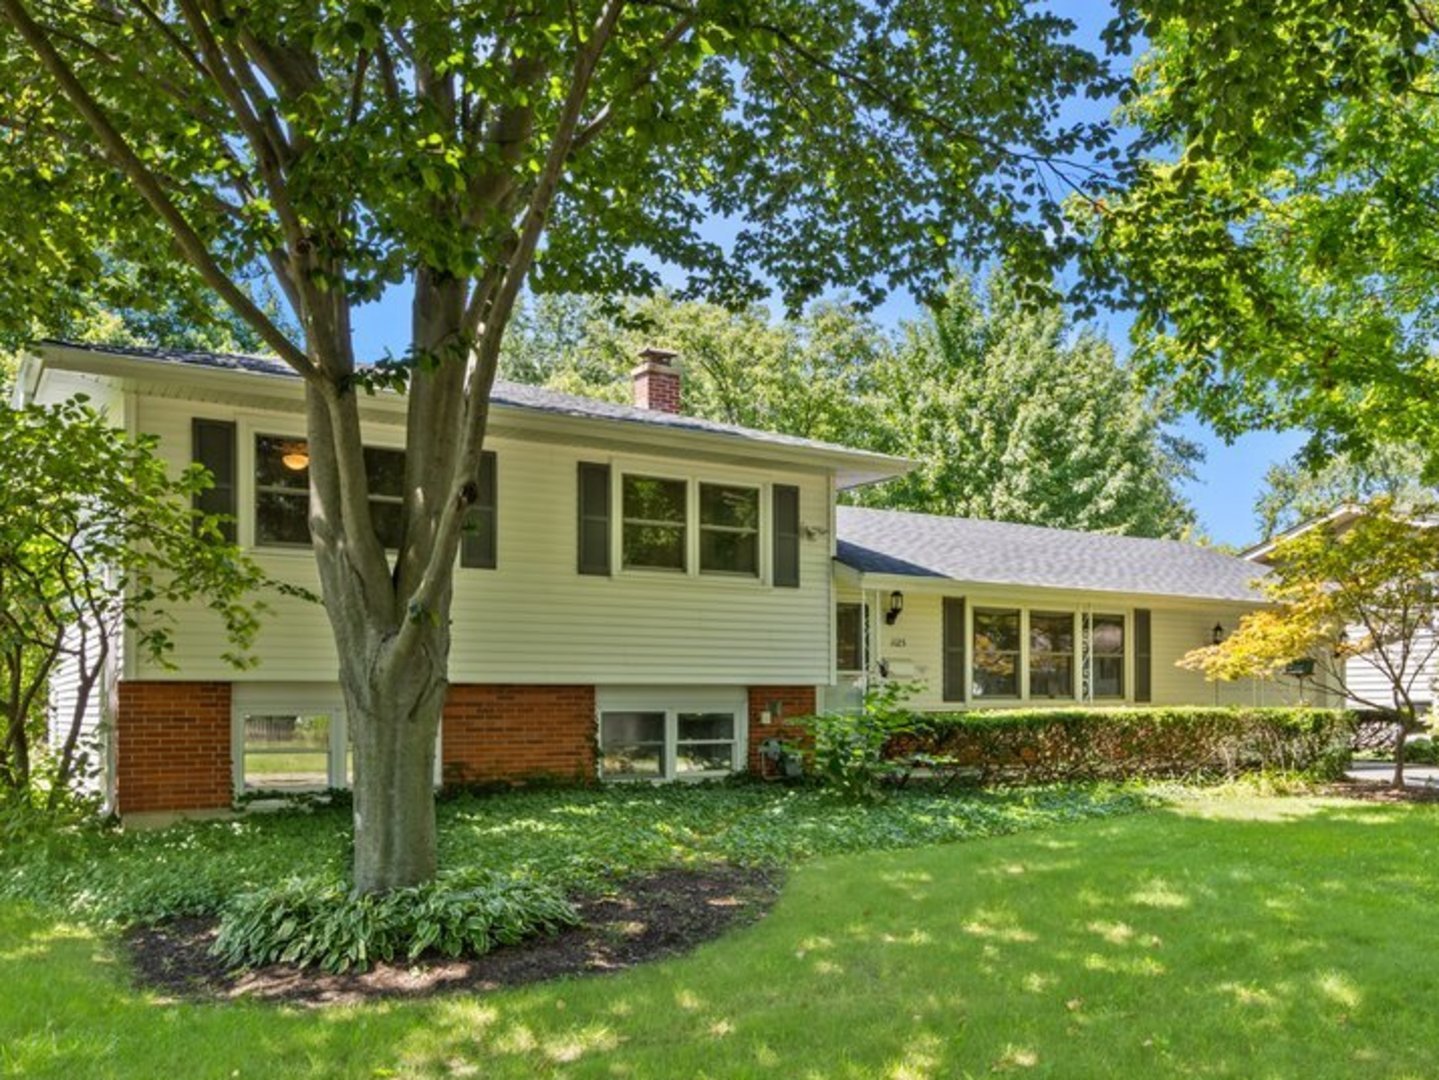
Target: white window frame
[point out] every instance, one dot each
(1021, 654)
(623, 467)
(1075, 629)
(697, 487)
(673, 702)
(688, 523)
(247, 491)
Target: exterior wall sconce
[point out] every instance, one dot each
(1216, 636)
(896, 605)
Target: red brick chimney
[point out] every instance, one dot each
(657, 380)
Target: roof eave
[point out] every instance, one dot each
(851, 468)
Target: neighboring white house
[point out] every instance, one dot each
(645, 594)
(1368, 676)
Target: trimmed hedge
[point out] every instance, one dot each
(1044, 745)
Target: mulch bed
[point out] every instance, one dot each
(643, 919)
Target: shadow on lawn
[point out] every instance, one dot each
(1284, 939)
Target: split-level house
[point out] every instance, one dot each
(645, 594)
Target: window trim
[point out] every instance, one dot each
(622, 467)
(296, 699)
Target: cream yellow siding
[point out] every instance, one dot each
(535, 619)
(911, 648)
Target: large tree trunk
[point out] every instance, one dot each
(393, 648)
(394, 719)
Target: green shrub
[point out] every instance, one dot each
(1421, 750)
(1047, 745)
(848, 752)
(314, 922)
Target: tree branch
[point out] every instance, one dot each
(482, 372)
(150, 188)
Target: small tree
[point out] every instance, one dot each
(95, 537)
(1365, 591)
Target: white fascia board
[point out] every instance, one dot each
(1340, 515)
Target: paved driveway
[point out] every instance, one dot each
(1414, 775)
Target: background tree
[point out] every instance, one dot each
(1366, 591)
(1294, 493)
(1279, 244)
(1016, 415)
(343, 148)
(95, 536)
(810, 375)
(1013, 414)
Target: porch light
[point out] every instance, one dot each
(296, 458)
(896, 605)
(1216, 636)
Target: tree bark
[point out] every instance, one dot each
(394, 719)
(1404, 725)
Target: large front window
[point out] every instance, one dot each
(282, 492)
(996, 653)
(662, 744)
(654, 523)
(1051, 655)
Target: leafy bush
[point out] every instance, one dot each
(1047, 745)
(1421, 750)
(848, 750)
(314, 922)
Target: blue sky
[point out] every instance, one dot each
(1226, 483)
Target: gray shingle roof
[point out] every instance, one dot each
(512, 394)
(1000, 553)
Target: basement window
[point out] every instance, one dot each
(290, 752)
(669, 744)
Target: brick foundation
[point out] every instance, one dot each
(172, 746)
(794, 702)
(496, 732)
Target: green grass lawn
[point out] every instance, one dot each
(1228, 936)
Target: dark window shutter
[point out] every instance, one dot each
(594, 518)
(1143, 662)
(479, 547)
(786, 535)
(956, 651)
(212, 444)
